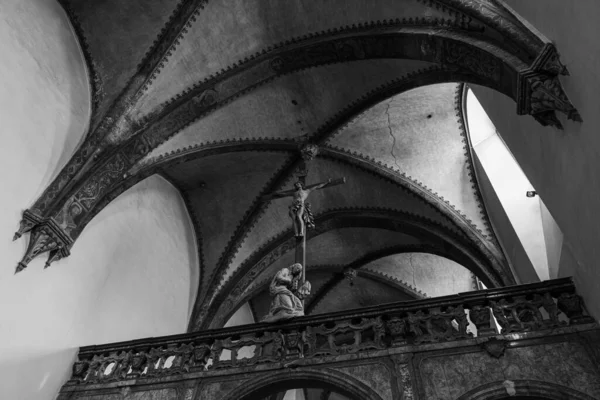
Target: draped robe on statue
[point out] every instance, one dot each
(286, 304)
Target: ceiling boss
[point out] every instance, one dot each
(289, 286)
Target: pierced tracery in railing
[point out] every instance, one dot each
(523, 308)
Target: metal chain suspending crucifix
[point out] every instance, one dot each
(289, 286)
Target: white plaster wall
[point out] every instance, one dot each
(554, 240)
(563, 165)
(242, 316)
(132, 273)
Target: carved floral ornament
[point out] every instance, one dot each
(455, 41)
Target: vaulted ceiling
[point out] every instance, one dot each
(219, 97)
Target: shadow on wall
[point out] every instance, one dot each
(35, 376)
(44, 97)
(129, 276)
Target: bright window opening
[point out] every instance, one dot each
(535, 228)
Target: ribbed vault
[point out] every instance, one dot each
(218, 97)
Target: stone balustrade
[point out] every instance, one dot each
(524, 308)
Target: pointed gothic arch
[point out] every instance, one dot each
(227, 298)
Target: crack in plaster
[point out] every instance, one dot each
(410, 261)
(387, 112)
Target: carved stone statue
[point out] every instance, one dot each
(287, 294)
(300, 209)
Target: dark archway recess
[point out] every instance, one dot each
(325, 378)
(484, 44)
(456, 247)
(524, 389)
(278, 393)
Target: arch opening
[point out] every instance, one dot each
(325, 379)
(526, 228)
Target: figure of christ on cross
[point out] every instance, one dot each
(300, 211)
(302, 218)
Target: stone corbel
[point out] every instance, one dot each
(46, 237)
(540, 93)
(308, 152)
(549, 61)
(28, 222)
(495, 347)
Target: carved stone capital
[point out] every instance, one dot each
(541, 95)
(46, 237)
(549, 61)
(29, 221)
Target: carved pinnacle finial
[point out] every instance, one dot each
(57, 254)
(26, 224)
(20, 267)
(46, 237)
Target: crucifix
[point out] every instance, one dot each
(300, 211)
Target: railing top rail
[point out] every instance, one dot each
(468, 298)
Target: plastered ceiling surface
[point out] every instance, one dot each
(219, 96)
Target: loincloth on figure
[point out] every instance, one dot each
(307, 215)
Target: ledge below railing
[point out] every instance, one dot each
(524, 308)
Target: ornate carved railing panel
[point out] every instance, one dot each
(524, 308)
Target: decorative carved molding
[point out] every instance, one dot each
(101, 126)
(307, 341)
(461, 113)
(519, 313)
(394, 281)
(454, 42)
(405, 379)
(540, 93)
(495, 16)
(548, 61)
(47, 236)
(202, 100)
(479, 62)
(27, 223)
(572, 306)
